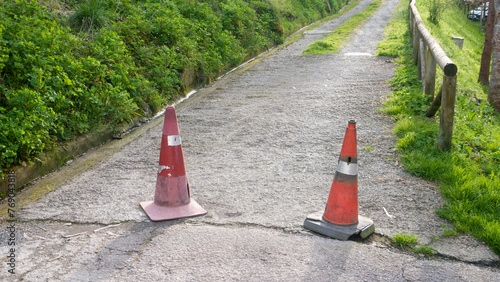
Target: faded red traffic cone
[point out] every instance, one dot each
(342, 204)
(340, 219)
(172, 197)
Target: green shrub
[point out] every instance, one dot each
(50, 91)
(436, 9)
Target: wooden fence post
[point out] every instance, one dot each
(430, 75)
(435, 104)
(410, 22)
(447, 112)
(427, 54)
(421, 61)
(416, 45)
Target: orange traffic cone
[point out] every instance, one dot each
(172, 198)
(340, 219)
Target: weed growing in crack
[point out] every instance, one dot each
(409, 242)
(424, 250)
(449, 232)
(405, 241)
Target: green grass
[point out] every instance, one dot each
(293, 16)
(469, 174)
(89, 16)
(334, 42)
(405, 241)
(449, 233)
(344, 10)
(395, 30)
(409, 242)
(424, 250)
(455, 23)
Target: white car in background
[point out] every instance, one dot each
(476, 14)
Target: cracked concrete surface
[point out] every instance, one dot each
(261, 148)
(189, 250)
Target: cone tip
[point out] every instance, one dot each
(170, 111)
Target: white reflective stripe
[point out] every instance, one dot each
(174, 140)
(162, 167)
(347, 168)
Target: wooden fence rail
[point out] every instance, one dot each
(427, 54)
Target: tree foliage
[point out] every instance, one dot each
(436, 9)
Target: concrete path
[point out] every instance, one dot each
(261, 147)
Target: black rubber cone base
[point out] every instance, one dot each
(316, 223)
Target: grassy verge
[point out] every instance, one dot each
(468, 175)
(334, 42)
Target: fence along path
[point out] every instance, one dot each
(427, 54)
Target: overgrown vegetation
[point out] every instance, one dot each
(71, 67)
(335, 41)
(468, 175)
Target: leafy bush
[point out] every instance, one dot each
(51, 89)
(436, 9)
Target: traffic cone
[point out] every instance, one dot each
(340, 219)
(172, 198)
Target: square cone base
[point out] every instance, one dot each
(315, 222)
(159, 213)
